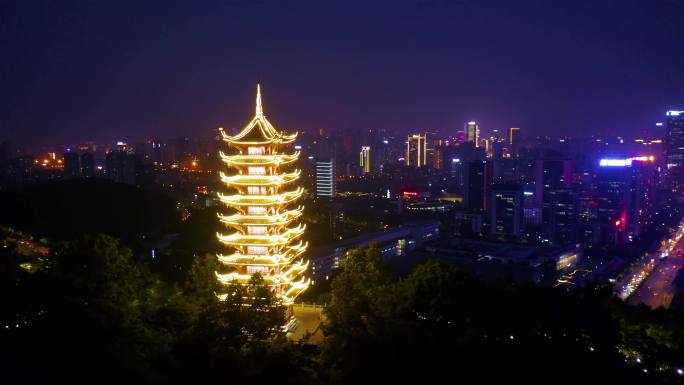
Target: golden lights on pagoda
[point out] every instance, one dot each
(265, 238)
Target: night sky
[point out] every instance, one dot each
(114, 70)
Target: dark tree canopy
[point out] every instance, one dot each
(66, 209)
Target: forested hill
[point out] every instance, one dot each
(69, 208)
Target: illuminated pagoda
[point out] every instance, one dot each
(265, 237)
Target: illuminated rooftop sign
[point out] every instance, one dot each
(615, 162)
(625, 162)
(649, 158)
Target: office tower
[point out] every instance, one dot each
(513, 135)
(497, 148)
(456, 180)
(471, 133)
(550, 175)
(141, 151)
(443, 152)
(72, 168)
(506, 210)
(505, 171)
(325, 178)
(674, 150)
(365, 160)
(180, 149)
(619, 188)
(416, 150)
(438, 155)
(563, 226)
(120, 166)
(87, 164)
(513, 139)
(474, 185)
(264, 240)
(156, 151)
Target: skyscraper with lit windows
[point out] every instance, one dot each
(325, 178)
(416, 150)
(674, 150)
(264, 239)
(471, 133)
(365, 159)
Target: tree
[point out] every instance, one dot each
(202, 285)
(436, 290)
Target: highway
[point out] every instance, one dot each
(657, 290)
(652, 282)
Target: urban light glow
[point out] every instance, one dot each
(615, 162)
(264, 240)
(625, 162)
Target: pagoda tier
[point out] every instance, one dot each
(280, 199)
(244, 239)
(265, 233)
(242, 180)
(258, 160)
(282, 219)
(283, 258)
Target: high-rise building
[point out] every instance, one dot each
(619, 188)
(550, 175)
(325, 178)
(474, 185)
(563, 225)
(88, 164)
(365, 159)
(512, 145)
(264, 240)
(416, 150)
(506, 210)
(497, 145)
(471, 133)
(674, 150)
(120, 166)
(513, 134)
(72, 168)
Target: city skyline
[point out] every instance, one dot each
(429, 65)
(308, 192)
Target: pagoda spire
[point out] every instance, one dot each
(259, 108)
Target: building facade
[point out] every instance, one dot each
(325, 178)
(416, 150)
(674, 150)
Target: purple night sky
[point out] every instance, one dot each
(129, 70)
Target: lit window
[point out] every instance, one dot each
(256, 230)
(256, 210)
(256, 269)
(256, 150)
(257, 250)
(256, 190)
(256, 170)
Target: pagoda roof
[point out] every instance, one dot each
(259, 130)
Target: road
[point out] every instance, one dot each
(655, 279)
(657, 290)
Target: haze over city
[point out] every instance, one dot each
(107, 71)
